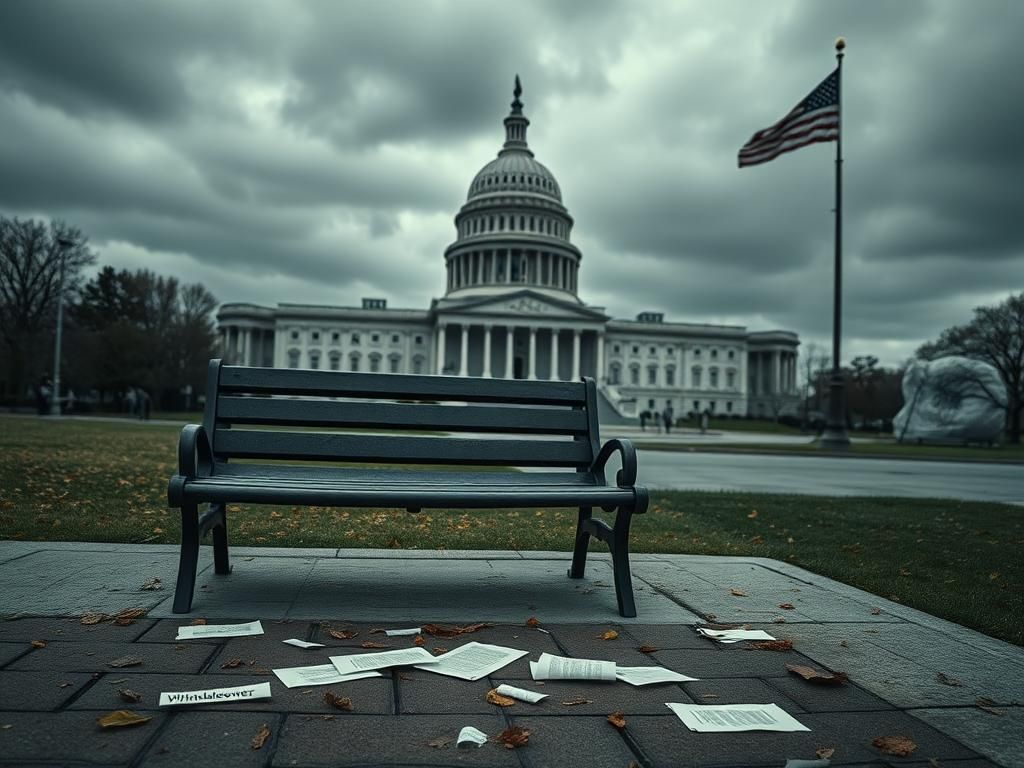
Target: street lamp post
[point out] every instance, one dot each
(64, 245)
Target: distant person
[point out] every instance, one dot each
(666, 416)
(130, 400)
(643, 420)
(704, 419)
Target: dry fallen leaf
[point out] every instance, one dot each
(947, 680)
(441, 742)
(128, 616)
(197, 622)
(611, 634)
(440, 631)
(787, 606)
(532, 622)
(843, 644)
(152, 584)
(824, 753)
(231, 663)
(338, 702)
(342, 634)
(575, 701)
(772, 645)
(987, 705)
(493, 697)
(900, 746)
(737, 592)
(439, 651)
(617, 719)
(38, 643)
(125, 661)
(811, 675)
(647, 649)
(129, 695)
(122, 718)
(261, 737)
(418, 640)
(514, 737)
(778, 620)
(875, 611)
(371, 644)
(93, 618)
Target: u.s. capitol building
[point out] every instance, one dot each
(511, 309)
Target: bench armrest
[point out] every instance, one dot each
(195, 456)
(626, 477)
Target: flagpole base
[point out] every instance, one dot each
(834, 438)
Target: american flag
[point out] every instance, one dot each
(814, 119)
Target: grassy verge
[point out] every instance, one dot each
(885, 449)
(94, 481)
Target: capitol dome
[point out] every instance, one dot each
(513, 231)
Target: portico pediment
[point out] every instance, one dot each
(524, 304)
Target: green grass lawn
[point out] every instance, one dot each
(96, 481)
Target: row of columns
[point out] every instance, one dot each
(243, 345)
(773, 372)
(531, 369)
(495, 267)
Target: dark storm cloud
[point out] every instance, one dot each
(318, 150)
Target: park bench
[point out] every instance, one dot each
(378, 440)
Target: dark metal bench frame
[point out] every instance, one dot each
(308, 400)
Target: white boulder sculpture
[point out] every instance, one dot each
(951, 400)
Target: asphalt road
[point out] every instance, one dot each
(667, 470)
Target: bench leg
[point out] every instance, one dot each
(579, 552)
(221, 564)
(619, 545)
(188, 559)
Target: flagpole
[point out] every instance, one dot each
(834, 438)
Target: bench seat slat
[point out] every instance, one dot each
(398, 476)
(290, 381)
(387, 449)
(426, 416)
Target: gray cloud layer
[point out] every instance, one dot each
(317, 151)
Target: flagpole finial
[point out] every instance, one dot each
(840, 43)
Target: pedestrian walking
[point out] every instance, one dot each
(667, 416)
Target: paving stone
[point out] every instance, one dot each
(999, 737)
(663, 740)
(369, 696)
(362, 740)
(94, 657)
(667, 636)
(10, 651)
(714, 663)
(741, 691)
(561, 741)
(827, 698)
(227, 741)
(420, 692)
(41, 691)
(70, 738)
(584, 642)
(70, 629)
(605, 698)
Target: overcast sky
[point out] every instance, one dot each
(318, 151)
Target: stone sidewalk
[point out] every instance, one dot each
(896, 658)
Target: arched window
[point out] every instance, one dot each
(522, 223)
(375, 363)
(634, 375)
(652, 375)
(417, 364)
(695, 376)
(713, 376)
(501, 222)
(314, 359)
(531, 223)
(615, 374)
(490, 223)
(293, 358)
(670, 376)
(353, 361)
(394, 362)
(730, 379)
(335, 361)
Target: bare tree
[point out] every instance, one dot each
(994, 336)
(814, 361)
(31, 260)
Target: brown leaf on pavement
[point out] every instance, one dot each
(514, 737)
(900, 746)
(812, 675)
(441, 742)
(824, 753)
(338, 702)
(152, 585)
(611, 634)
(772, 645)
(575, 701)
(342, 634)
(737, 592)
(122, 718)
(532, 622)
(128, 616)
(38, 643)
(875, 611)
(418, 640)
(787, 606)
(127, 694)
(617, 719)
(261, 737)
(647, 649)
(92, 618)
(947, 680)
(125, 661)
(371, 644)
(197, 622)
(438, 630)
(987, 705)
(439, 651)
(493, 697)
(231, 663)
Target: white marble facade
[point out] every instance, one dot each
(511, 310)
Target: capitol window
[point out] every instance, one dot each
(615, 349)
(314, 360)
(501, 222)
(375, 338)
(419, 339)
(714, 354)
(615, 374)
(652, 375)
(417, 364)
(353, 362)
(335, 337)
(731, 354)
(394, 362)
(636, 350)
(293, 358)
(335, 361)
(695, 376)
(394, 338)
(316, 335)
(355, 338)
(654, 350)
(634, 375)
(696, 352)
(730, 379)
(728, 407)
(713, 376)
(374, 363)
(295, 337)
(670, 376)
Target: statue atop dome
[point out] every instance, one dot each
(517, 105)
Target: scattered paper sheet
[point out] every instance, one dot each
(216, 695)
(402, 632)
(303, 644)
(730, 718)
(318, 674)
(550, 667)
(520, 693)
(734, 635)
(469, 736)
(361, 662)
(219, 630)
(649, 675)
(473, 661)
